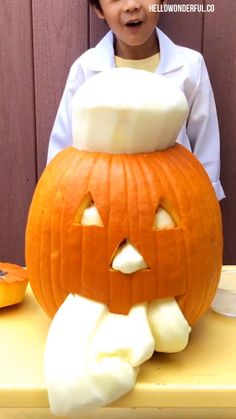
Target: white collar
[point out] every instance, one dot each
(102, 57)
(170, 57)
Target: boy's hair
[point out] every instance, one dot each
(96, 4)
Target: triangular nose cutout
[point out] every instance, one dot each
(127, 258)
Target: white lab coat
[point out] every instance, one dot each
(186, 67)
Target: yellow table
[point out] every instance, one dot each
(169, 386)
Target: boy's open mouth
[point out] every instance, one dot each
(134, 23)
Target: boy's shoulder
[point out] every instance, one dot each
(190, 54)
(83, 59)
(178, 61)
(193, 62)
(97, 58)
(178, 52)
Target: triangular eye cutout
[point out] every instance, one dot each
(163, 220)
(87, 214)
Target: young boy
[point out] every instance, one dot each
(135, 41)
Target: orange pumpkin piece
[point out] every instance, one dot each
(13, 283)
(63, 256)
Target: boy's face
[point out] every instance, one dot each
(133, 25)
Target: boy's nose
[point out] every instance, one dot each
(131, 5)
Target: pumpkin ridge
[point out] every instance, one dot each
(109, 165)
(144, 162)
(103, 159)
(41, 269)
(52, 283)
(194, 168)
(176, 159)
(122, 158)
(42, 296)
(56, 301)
(200, 304)
(153, 163)
(92, 161)
(141, 163)
(211, 215)
(167, 170)
(60, 175)
(161, 161)
(203, 182)
(129, 163)
(54, 173)
(75, 159)
(64, 173)
(119, 160)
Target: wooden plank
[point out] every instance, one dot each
(97, 28)
(219, 51)
(17, 126)
(184, 28)
(60, 36)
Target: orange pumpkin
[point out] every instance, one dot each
(64, 256)
(13, 283)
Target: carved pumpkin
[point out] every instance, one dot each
(125, 195)
(13, 283)
(120, 223)
(64, 256)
